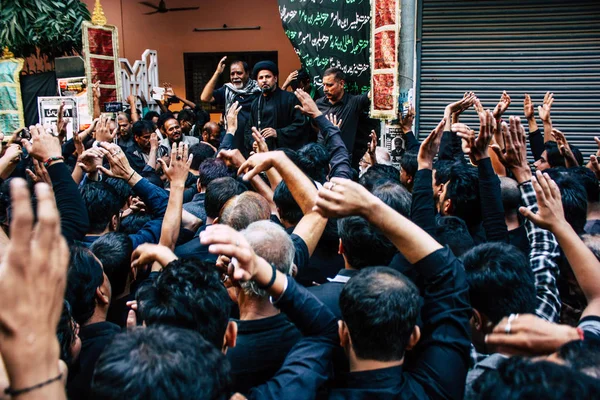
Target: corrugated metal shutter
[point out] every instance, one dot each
(518, 46)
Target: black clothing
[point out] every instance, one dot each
(518, 238)
(412, 144)
(245, 101)
(451, 147)
(260, 350)
(441, 359)
(277, 110)
(339, 160)
(536, 144)
(94, 338)
(492, 209)
(74, 221)
(348, 109)
(329, 293)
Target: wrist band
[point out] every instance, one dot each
(51, 159)
(130, 176)
(272, 281)
(581, 333)
(18, 392)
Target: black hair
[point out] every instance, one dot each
(573, 196)
(553, 156)
(314, 161)
(453, 232)
(201, 152)
(409, 163)
(511, 195)
(364, 245)
(114, 251)
(379, 172)
(102, 202)
(244, 65)
(218, 192)
(463, 190)
(126, 114)
(500, 279)
(336, 72)
(84, 276)
(288, 208)
(122, 188)
(380, 307)
(186, 115)
(582, 356)
(142, 126)
(132, 223)
(442, 170)
(394, 195)
(211, 169)
(65, 333)
(520, 379)
(150, 115)
(187, 294)
(164, 117)
(161, 363)
(589, 181)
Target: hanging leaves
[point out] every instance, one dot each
(53, 27)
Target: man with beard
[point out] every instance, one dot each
(241, 89)
(146, 148)
(174, 134)
(274, 113)
(125, 138)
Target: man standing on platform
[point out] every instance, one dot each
(274, 113)
(345, 106)
(241, 89)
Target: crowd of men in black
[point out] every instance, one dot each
(279, 254)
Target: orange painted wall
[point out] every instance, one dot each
(172, 34)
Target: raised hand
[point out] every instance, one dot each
(261, 144)
(32, 288)
(334, 120)
(13, 153)
(179, 167)
(154, 141)
(103, 132)
(307, 105)
(258, 163)
(372, 147)
(406, 122)
(221, 66)
(43, 146)
(61, 122)
(477, 105)
(544, 110)
(231, 158)
(564, 148)
(90, 160)
(148, 253)
(40, 173)
(232, 117)
(119, 165)
(293, 75)
(594, 163)
(550, 215)
(462, 104)
(528, 107)
(142, 99)
(96, 89)
(515, 158)
(341, 198)
(502, 105)
(478, 147)
(530, 335)
(430, 147)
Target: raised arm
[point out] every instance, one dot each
(544, 249)
(550, 216)
(133, 107)
(544, 113)
(207, 92)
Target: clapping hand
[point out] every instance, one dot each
(502, 105)
(544, 110)
(307, 105)
(515, 158)
(430, 147)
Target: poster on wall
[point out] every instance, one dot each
(330, 33)
(11, 101)
(385, 36)
(48, 112)
(77, 88)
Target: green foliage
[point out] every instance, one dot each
(52, 26)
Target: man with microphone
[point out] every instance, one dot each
(274, 114)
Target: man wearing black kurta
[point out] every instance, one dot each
(274, 113)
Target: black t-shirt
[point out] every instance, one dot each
(261, 348)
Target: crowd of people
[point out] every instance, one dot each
(278, 254)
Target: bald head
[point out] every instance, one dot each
(211, 133)
(240, 211)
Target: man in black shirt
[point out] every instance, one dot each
(265, 336)
(274, 113)
(347, 107)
